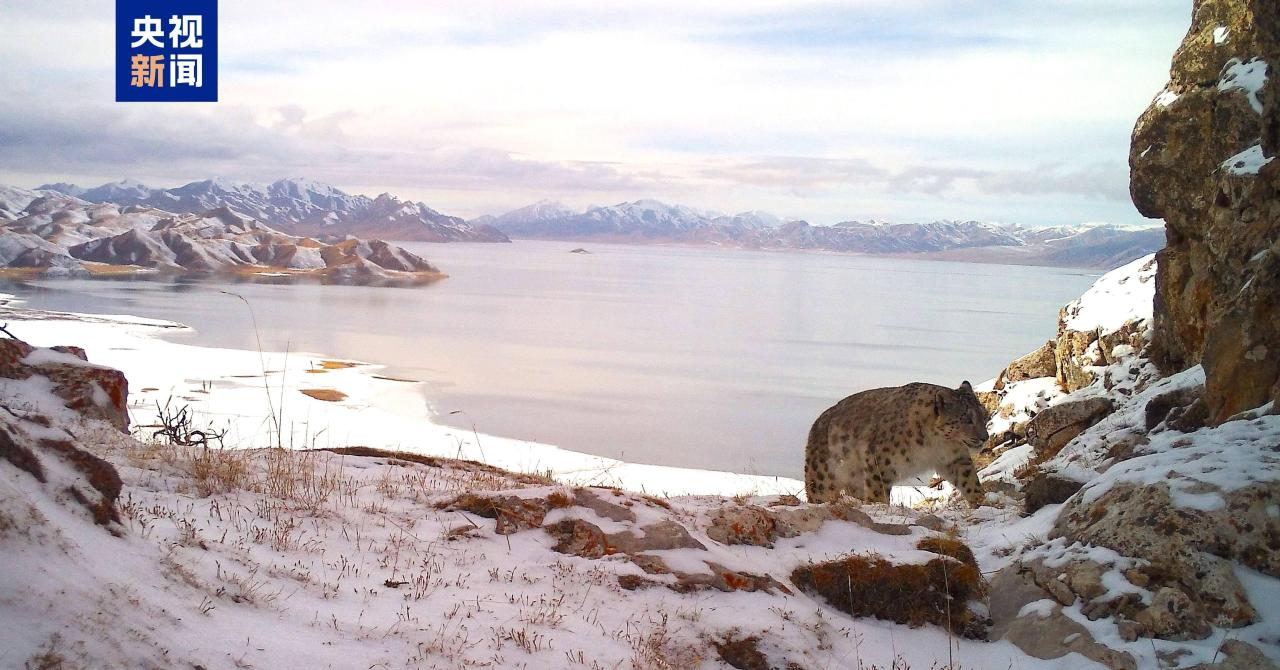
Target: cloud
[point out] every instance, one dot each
(1102, 181)
(173, 147)
(816, 106)
(1108, 181)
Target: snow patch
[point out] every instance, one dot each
(1247, 162)
(1166, 98)
(1122, 295)
(1249, 77)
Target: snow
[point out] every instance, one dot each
(1122, 295)
(1166, 98)
(1039, 608)
(1247, 77)
(317, 560)
(1247, 162)
(1220, 34)
(1022, 400)
(1228, 457)
(367, 578)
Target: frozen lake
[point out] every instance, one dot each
(691, 357)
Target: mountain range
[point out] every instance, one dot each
(650, 221)
(306, 208)
(294, 206)
(48, 233)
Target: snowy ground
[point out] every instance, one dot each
(285, 560)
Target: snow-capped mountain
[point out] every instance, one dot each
(543, 210)
(55, 234)
(123, 191)
(298, 206)
(64, 188)
(641, 221)
(15, 200)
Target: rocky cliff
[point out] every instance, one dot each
(1202, 159)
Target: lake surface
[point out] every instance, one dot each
(690, 357)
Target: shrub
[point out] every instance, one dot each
(936, 592)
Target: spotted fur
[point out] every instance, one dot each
(871, 440)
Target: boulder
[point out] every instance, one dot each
(510, 514)
(1189, 550)
(1201, 158)
(1079, 353)
(1170, 405)
(1045, 631)
(1054, 427)
(1237, 655)
(577, 537)
(743, 524)
(1047, 488)
(93, 391)
(1040, 363)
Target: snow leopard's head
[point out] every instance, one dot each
(961, 416)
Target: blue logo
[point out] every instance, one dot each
(166, 50)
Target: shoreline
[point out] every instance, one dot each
(351, 404)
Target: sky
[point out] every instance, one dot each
(906, 110)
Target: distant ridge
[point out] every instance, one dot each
(52, 234)
(295, 206)
(651, 221)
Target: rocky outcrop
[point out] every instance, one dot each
(91, 390)
(1193, 547)
(46, 391)
(1040, 363)
(1202, 160)
(1105, 325)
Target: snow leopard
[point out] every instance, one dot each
(871, 440)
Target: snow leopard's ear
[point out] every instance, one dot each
(965, 387)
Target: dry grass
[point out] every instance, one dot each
(949, 546)
(216, 471)
(327, 395)
(936, 592)
(325, 366)
(559, 500)
(742, 652)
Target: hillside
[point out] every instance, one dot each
(59, 235)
